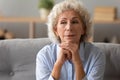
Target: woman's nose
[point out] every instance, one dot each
(68, 26)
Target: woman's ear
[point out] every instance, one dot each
(55, 31)
(83, 28)
(83, 31)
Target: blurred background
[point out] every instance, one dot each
(103, 30)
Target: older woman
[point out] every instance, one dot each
(70, 56)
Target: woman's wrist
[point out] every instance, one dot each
(79, 70)
(77, 60)
(56, 70)
(80, 74)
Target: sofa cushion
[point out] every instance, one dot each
(17, 58)
(112, 51)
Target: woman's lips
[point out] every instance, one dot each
(69, 36)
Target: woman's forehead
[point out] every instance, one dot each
(68, 14)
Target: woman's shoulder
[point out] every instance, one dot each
(91, 46)
(93, 52)
(47, 55)
(49, 47)
(47, 50)
(92, 49)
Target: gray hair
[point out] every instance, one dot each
(68, 5)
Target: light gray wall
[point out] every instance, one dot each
(28, 8)
(21, 8)
(102, 31)
(91, 4)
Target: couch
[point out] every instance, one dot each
(18, 56)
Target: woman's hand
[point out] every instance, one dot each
(69, 51)
(63, 56)
(72, 51)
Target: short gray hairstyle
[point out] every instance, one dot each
(68, 5)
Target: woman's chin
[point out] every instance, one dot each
(70, 40)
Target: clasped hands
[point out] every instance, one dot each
(69, 51)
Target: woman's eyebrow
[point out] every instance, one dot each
(75, 18)
(71, 18)
(63, 18)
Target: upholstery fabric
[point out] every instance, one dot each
(112, 51)
(18, 58)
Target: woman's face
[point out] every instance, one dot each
(69, 27)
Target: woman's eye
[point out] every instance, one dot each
(74, 22)
(63, 22)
